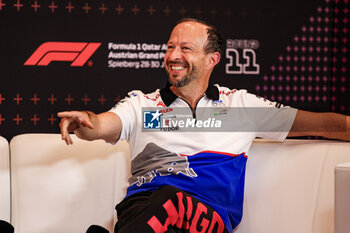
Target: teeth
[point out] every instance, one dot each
(177, 67)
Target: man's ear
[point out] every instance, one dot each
(213, 60)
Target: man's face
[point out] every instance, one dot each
(185, 58)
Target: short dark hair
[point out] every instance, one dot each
(215, 42)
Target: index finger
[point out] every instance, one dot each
(66, 114)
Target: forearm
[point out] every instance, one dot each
(339, 129)
(329, 125)
(106, 126)
(88, 133)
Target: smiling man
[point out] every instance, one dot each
(191, 181)
(191, 58)
(185, 56)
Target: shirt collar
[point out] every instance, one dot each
(169, 97)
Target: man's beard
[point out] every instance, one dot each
(189, 77)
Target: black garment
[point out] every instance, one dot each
(167, 209)
(6, 227)
(96, 229)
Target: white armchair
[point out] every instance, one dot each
(63, 189)
(290, 186)
(58, 188)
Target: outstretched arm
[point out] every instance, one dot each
(89, 126)
(328, 125)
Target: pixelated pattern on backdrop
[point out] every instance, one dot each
(314, 66)
(87, 54)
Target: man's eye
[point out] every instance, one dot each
(170, 47)
(186, 48)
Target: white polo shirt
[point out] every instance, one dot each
(209, 165)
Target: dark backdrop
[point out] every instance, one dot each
(295, 52)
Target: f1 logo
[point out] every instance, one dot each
(77, 52)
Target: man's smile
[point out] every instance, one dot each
(177, 66)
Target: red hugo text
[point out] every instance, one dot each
(76, 52)
(190, 220)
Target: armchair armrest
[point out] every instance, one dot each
(342, 198)
(4, 180)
